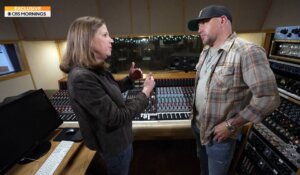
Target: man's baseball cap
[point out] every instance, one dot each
(207, 13)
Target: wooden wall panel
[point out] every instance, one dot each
(140, 15)
(166, 16)
(143, 17)
(251, 15)
(7, 29)
(117, 16)
(43, 60)
(32, 28)
(282, 13)
(64, 13)
(15, 86)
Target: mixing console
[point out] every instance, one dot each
(170, 100)
(61, 103)
(174, 82)
(174, 98)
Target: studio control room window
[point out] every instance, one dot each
(10, 60)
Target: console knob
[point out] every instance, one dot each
(296, 31)
(284, 31)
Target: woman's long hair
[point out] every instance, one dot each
(78, 51)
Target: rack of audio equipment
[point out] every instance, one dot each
(273, 146)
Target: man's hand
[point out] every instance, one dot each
(221, 132)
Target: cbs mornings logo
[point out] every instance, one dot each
(27, 11)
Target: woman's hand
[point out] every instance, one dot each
(148, 85)
(135, 73)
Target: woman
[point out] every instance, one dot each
(104, 117)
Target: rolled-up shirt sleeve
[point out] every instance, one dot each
(261, 81)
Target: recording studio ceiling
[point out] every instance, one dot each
(144, 17)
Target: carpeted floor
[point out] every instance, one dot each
(165, 157)
(158, 157)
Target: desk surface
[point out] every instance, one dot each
(149, 130)
(76, 161)
(156, 74)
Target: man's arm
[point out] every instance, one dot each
(260, 79)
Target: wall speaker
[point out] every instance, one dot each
(184, 61)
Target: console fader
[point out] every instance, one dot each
(61, 102)
(170, 100)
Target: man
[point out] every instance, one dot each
(234, 85)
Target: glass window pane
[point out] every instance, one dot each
(5, 62)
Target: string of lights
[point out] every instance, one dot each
(147, 39)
